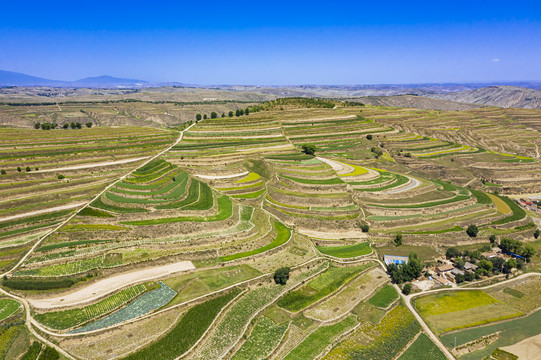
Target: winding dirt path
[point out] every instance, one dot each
(108, 285)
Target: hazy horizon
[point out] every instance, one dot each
(275, 44)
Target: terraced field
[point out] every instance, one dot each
(175, 255)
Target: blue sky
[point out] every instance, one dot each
(274, 42)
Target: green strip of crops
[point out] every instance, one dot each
(252, 195)
(400, 180)
(116, 209)
(33, 219)
(424, 205)
(346, 251)
(66, 319)
(186, 332)
(282, 236)
(193, 195)
(225, 210)
(314, 181)
(518, 212)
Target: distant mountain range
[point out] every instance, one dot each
(9, 78)
(445, 96)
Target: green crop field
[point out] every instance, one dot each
(460, 309)
(176, 224)
(423, 349)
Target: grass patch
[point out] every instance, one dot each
(88, 211)
(384, 297)
(324, 284)
(252, 176)
(8, 307)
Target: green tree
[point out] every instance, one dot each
(512, 263)
(365, 227)
(536, 233)
(19, 169)
(3, 172)
(230, 114)
(241, 112)
(485, 265)
(78, 125)
(28, 169)
(528, 251)
(452, 253)
(72, 125)
(406, 290)
(237, 113)
(309, 149)
(60, 176)
(65, 126)
(492, 238)
(472, 230)
(223, 115)
(281, 275)
(205, 117)
(246, 111)
(37, 125)
(198, 117)
(398, 240)
(89, 124)
(213, 115)
(369, 137)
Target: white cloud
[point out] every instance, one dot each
(495, 60)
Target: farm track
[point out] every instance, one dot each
(44, 211)
(93, 165)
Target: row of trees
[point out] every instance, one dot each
(214, 114)
(51, 126)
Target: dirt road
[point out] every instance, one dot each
(105, 286)
(44, 211)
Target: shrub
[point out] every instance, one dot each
(472, 230)
(60, 176)
(37, 125)
(535, 234)
(398, 240)
(19, 169)
(407, 289)
(365, 227)
(28, 169)
(369, 137)
(49, 353)
(89, 124)
(308, 149)
(281, 276)
(3, 172)
(492, 238)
